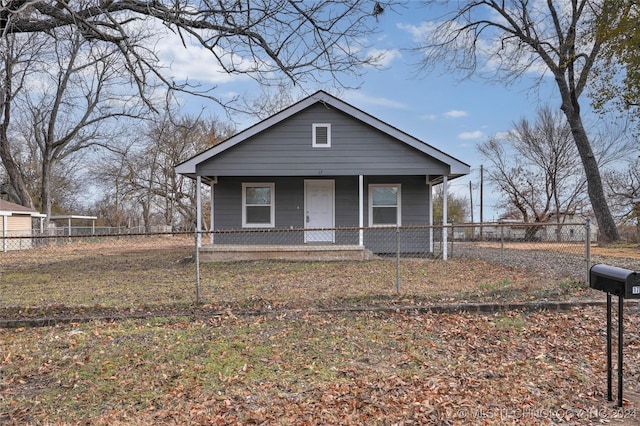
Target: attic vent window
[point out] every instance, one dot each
(321, 135)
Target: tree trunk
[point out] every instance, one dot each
(607, 225)
(45, 189)
(15, 178)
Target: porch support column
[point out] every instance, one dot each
(212, 185)
(445, 221)
(360, 210)
(198, 210)
(430, 185)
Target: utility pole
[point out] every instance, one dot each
(473, 228)
(481, 200)
(471, 200)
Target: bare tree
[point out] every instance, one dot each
(19, 55)
(256, 37)
(271, 100)
(624, 189)
(518, 36)
(77, 103)
(536, 168)
(144, 174)
(265, 39)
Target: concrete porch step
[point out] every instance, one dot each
(323, 252)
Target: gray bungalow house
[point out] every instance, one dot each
(323, 167)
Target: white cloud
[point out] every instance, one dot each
(383, 57)
(502, 135)
(196, 63)
(429, 117)
(422, 32)
(477, 134)
(357, 97)
(455, 113)
(185, 58)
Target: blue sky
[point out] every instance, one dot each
(451, 115)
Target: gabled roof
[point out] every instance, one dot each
(457, 167)
(7, 208)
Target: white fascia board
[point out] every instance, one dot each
(5, 213)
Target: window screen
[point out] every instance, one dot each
(384, 205)
(257, 205)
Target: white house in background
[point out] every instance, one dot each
(17, 221)
(570, 228)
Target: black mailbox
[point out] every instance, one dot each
(626, 285)
(617, 281)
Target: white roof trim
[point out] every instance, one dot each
(188, 167)
(73, 216)
(21, 213)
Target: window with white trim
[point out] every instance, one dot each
(258, 205)
(321, 135)
(384, 205)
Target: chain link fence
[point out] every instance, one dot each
(296, 268)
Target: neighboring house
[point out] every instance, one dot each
(321, 163)
(16, 221)
(570, 228)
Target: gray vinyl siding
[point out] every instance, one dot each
(289, 212)
(286, 150)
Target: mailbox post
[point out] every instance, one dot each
(626, 285)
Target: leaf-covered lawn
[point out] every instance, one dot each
(304, 356)
(85, 279)
(303, 368)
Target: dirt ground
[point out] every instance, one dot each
(623, 251)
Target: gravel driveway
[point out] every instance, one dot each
(557, 262)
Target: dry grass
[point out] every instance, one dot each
(156, 274)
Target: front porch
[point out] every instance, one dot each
(307, 252)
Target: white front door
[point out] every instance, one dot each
(319, 202)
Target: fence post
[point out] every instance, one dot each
(197, 256)
(397, 260)
(502, 244)
(453, 234)
(587, 248)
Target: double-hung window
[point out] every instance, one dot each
(384, 205)
(258, 205)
